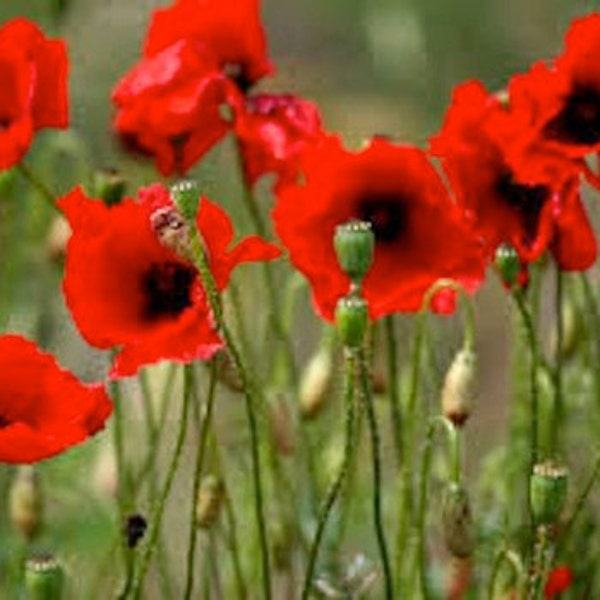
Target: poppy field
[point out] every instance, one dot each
(299, 300)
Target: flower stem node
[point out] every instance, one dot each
(186, 194)
(109, 185)
(457, 521)
(508, 264)
(460, 387)
(26, 502)
(352, 319)
(44, 578)
(548, 492)
(354, 244)
(210, 500)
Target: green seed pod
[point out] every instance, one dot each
(44, 578)
(508, 263)
(354, 244)
(109, 185)
(26, 502)
(352, 320)
(460, 387)
(186, 195)
(457, 521)
(548, 492)
(210, 500)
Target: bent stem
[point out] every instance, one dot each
(513, 560)
(193, 532)
(38, 184)
(367, 399)
(159, 508)
(336, 486)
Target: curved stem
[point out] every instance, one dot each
(38, 184)
(158, 510)
(367, 399)
(336, 486)
(193, 532)
(514, 561)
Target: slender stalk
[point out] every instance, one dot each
(367, 399)
(38, 184)
(393, 385)
(234, 547)
(250, 402)
(159, 508)
(594, 314)
(350, 373)
(539, 566)
(581, 500)
(193, 531)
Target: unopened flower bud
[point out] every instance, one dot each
(57, 238)
(315, 383)
(460, 387)
(281, 544)
(352, 319)
(109, 185)
(135, 528)
(548, 492)
(509, 265)
(26, 502)
(571, 327)
(227, 372)
(354, 244)
(44, 578)
(209, 502)
(186, 195)
(457, 521)
(172, 230)
(282, 431)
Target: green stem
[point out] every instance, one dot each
(250, 401)
(367, 399)
(158, 510)
(350, 372)
(38, 184)
(594, 314)
(538, 568)
(193, 531)
(234, 547)
(393, 385)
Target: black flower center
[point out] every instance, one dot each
(579, 120)
(526, 200)
(4, 422)
(238, 73)
(386, 214)
(166, 289)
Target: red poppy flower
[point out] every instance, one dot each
(272, 131)
(198, 55)
(560, 579)
(418, 231)
(44, 410)
(129, 284)
(230, 30)
(33, 79)
(503, 209)
(168, 106)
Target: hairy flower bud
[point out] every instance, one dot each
(186, 195)
(209, 502)
(26, 502)
(44, 578)
(315, 383)
(354, 244)
(459, 389)
(352, 319)
(281, 425)
(548, 492)
(457, 521)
